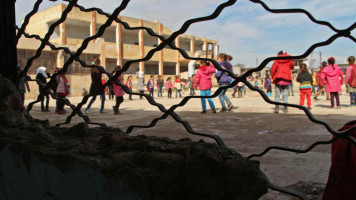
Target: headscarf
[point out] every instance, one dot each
(41, 70)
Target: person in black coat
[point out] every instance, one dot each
(41, 77)
(96, 87)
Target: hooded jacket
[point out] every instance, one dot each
(118, 91)
(282, 69)
(224, 78)
(332, 77)
(203, 77)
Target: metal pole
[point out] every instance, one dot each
(8, 39)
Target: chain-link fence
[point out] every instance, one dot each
(74, 57)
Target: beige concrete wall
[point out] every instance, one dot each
(155, 56)
(131, 51)
(76, 14)
(169, 55)
(38, 22)
(111, 50)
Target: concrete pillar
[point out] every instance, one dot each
(205, 44)
(8, 40)
(93, 24)
(160, 65)
(142, 47)
(60, 59)
(62, 28)
(192, 46)
(217, 50)
(103, 55)
(178, 57)
(119, 45)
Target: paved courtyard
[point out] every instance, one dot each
(249, 128)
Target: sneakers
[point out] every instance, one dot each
(223, 110)
(229, 107)
(338, 107)
(309, 108)
(276, 109)
(87, 111)
(315, 98)
(214, 110)
(203, 112)
(285, 110)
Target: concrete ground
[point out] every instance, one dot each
(249, 128)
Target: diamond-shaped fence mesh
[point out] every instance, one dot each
(74, 56)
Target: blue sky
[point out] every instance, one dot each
(244, 30)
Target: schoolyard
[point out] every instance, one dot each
(248, 129)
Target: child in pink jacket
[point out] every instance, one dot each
(169, 87)
(203, 81)
(332, 77)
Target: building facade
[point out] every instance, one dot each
(115, 47)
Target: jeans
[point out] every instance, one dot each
(203, 101)
(192, 92)
(151, 92)
(282, 89)
(130, 95)
(159, 90)
(290, 89)
(178, 91)
(223, 97)
(102, 96)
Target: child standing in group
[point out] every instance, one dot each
(160, 83)
(268, 85)
(350, 79)
(240, 88)
(140, 82)
(332, 77)
(151, 85)
(256, 84)
(191, 85)
(169, 87)
(305, 88)
(129, 85)
(203, 81)
(178, 86)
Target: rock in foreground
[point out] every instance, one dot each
(38, 161)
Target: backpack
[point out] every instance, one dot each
(353, 77)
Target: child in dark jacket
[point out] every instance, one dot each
(305, 88)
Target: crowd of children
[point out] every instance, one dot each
(328, 80)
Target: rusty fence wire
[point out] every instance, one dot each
(74, 56)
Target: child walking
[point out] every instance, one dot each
(332, 77)
(151, 85)
(305, 88)
(169, 87)
(129, 85)
(160, 84)
(203, 81)
(119, 93)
